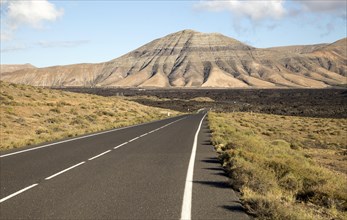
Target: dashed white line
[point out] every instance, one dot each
(134, 139)
(76, 165)
(63, 171)
(64, 141)
(99, 155)
(73, 139)
(18, 192)
(121, 145)
(188, 188)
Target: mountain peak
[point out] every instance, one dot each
(183, 32)
(189, 31)
(188, 58)
(192, 38)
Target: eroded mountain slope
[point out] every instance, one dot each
(193, 59)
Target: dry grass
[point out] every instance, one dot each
(285, 167)
(202, 99)
(31, 115)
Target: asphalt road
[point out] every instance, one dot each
(161, 170)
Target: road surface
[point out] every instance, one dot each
(161, 170)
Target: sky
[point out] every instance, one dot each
(46, 32)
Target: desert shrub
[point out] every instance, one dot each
(104, 112)
(3, 124)
(73, 111)
(276, 179)
(20, 121)
(6, 99)
(55, 110)
(37, 115)
(57, 114)
(41, 131)
(53, 120)
(62, 104)
(90, 118)
(78, 120)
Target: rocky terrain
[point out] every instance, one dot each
(193, 59)
(325, 103)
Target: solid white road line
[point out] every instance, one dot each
(76, 138)
(99, 155)
(63, 171)
(18, 192)
(76, 165)
(188, 188)
(120, 145)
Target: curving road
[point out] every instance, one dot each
(160, 170)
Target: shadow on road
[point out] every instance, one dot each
(221, 174)
(234, 208)
(211, 160)
(217, 184)
(206, 143)
(214, 168)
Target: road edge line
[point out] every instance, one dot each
(188, 188)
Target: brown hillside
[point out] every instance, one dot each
(193, 59)
(5, 68)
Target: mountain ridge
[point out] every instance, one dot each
(5, 68)
(192, 59)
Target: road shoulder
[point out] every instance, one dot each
(213, 197)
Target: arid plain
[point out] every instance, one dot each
(277, 116)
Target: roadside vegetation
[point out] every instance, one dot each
(32, 115)
(285, 167)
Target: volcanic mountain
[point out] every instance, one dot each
(193, 59)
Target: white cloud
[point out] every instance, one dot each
(49, 44)
(42, 44)
(32, 13)
(323, 14)
(269, 13)
(248, 15)
(15, 47)
(5, 36)
(324, 6)
(254, 10)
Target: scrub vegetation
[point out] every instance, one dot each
(286, 167)
(32, 115)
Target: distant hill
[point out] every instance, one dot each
(193, 59)
(5, 68)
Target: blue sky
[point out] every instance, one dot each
(46, 33)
